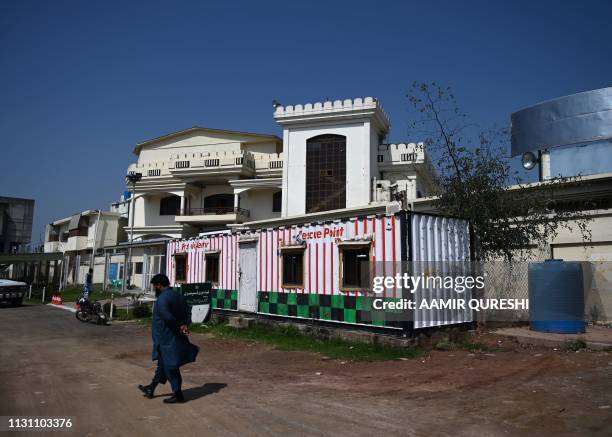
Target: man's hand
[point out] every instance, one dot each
(184, 330)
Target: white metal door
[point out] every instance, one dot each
(247, 274)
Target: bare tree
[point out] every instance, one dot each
(475, 181)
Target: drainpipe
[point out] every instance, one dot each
(128, 266)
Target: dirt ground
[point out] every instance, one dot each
(52, 365)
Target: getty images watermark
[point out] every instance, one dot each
(441, 290)
(457, 284)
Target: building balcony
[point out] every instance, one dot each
(76, 243)
(213, 215)
(54, 246)
(232, 164)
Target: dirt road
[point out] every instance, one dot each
(52, 365)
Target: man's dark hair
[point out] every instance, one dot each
(161, 280)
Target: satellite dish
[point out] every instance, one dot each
(529, 160)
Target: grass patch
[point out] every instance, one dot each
(291, 339)
(574, 345)
(70, 294)
(123, 315)
(447, 344)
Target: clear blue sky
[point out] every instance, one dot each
(82, 82)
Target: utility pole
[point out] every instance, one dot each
(133, 178)
(92, 262)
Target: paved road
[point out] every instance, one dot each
(52, 365)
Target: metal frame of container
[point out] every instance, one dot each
(393, 239)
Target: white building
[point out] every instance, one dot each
(203, 179)
(332, 158)
(78, 236)
(335, 158)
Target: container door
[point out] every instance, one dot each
(247, 274)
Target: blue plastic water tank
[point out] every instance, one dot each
(556, 297)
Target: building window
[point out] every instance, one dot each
(219, 203)
(138, 268)
(277, 201)
(219, 200)
(355, 267)
(325, 173)
(170, 205)
(293, 267)
(212, 267)
(180, 267)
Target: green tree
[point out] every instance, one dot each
(475, 180)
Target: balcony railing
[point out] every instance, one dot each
(216, 210)
(275, 164)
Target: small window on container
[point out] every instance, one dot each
(293, 267)
(180, 267)
(212, 268)
(138, 268)
(355, 267)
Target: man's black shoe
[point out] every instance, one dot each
(147, 390)
(176, 398)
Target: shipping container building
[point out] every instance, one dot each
(323, 270)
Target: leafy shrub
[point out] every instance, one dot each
(445, 345)
(141, 311)
(106, 308)
(574, 345)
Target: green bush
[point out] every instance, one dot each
(106, 308)
(574, 345)
(141, 311)
(445, 345)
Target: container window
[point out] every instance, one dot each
(212, 267)
(293, 268)
(355, 268)
(138, 268)
(180, 267)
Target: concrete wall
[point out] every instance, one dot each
(191, 145)
(259, 203)
(597, 262)
(147, 211)
(108, 231)
(185, 146)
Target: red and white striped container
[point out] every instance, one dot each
(322, 251)
(225, 244)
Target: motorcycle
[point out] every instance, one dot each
(86, 310)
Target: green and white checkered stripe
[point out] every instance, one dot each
(340, 308)
(224, 299)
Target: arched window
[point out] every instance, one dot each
(325, 173)
(277, 201)
(219, 203)
(169, 205)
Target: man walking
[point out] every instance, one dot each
(171, 346)
(88, 283)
